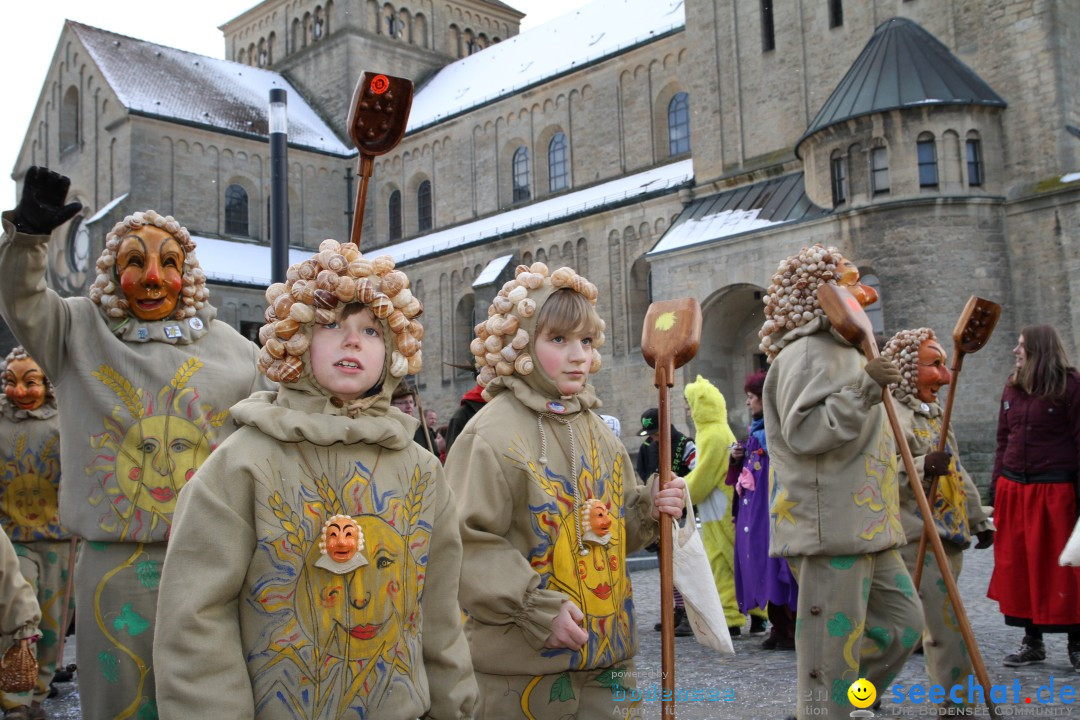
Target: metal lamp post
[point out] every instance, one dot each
(279, 185)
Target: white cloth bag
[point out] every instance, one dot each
(1071, 554)
(694, 578)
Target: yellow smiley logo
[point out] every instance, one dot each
(862, 693)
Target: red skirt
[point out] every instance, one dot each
(1033, 522)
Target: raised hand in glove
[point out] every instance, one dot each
(883, 371)
(986, 539)
(41, 208)
(936, 464)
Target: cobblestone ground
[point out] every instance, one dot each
(762, 683)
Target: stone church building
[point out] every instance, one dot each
(664, 148)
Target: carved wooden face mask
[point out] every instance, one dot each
(599, 519)
(24, 384)
(933, 373)
(149, 265)
(342, 538)
(848, 276)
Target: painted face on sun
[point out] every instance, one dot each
(933, 372)
(565, 358)
(29, 500)
(158, 455)
(24, 384)
(359, 615)
(150, 265)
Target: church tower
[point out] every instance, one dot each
(322, 46)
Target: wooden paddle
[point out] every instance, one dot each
(377, 119)
(850, 320)
(972, 331)
(670, 337)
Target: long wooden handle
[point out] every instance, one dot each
(870, 350)
(667, 578)
(958, 362)
(364, 167)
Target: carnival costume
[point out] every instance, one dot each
(274, 628)
(526, 470)
(142, 405)
(29, 515)
(835, 506)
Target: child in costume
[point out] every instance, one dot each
(332, 590)
(835, 505)
(712, 496)
(549, 509)
(145, 377)
(760, 581)
(29, 511)
(957, 508)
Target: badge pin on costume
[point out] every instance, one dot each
(341, 546)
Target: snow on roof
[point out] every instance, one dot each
(105, 210)
(654, 180)
(595, 31)
(489, 274)
(177, 85)
(1070, 178)
(751, 207)
(220, 260)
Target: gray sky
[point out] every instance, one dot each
(32, 30)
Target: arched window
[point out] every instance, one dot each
(838, 172)
(521, 174)
(69, 119)
(973, 152)
(927, 153)
(423, 206)
(558, 170)
(395, 215)
(678, 115)
(236, 210)
(879, 170)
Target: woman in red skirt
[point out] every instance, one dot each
(1035, 506)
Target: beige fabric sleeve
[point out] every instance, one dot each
(199, 661)
(19, 611)
(38, 316)
(498, 587)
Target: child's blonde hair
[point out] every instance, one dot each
(568, 312)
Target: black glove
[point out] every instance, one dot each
(883, 371)
(986, 539)
(41, 209)
(936, 464)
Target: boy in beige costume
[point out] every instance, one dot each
(835, 506)
(145, 377)
(957, 507)
(332, 589)
(549, 510)
(29, 512)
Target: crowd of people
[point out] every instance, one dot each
(281, 530)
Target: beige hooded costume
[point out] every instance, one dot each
(142, 405)
(266, 630)
(523, 471)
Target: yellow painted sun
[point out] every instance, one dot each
(665, 321)
(28, 491)
(146, 458)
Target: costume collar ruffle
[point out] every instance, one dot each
(783, 338)
(293, 414)
(9, 411)
(174, 332)
(931, 410)
(532, 393)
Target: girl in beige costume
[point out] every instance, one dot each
(835, 505)
(143, 402)
(29, 489)
(957, 508)
(549, 510)
(287, 622)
